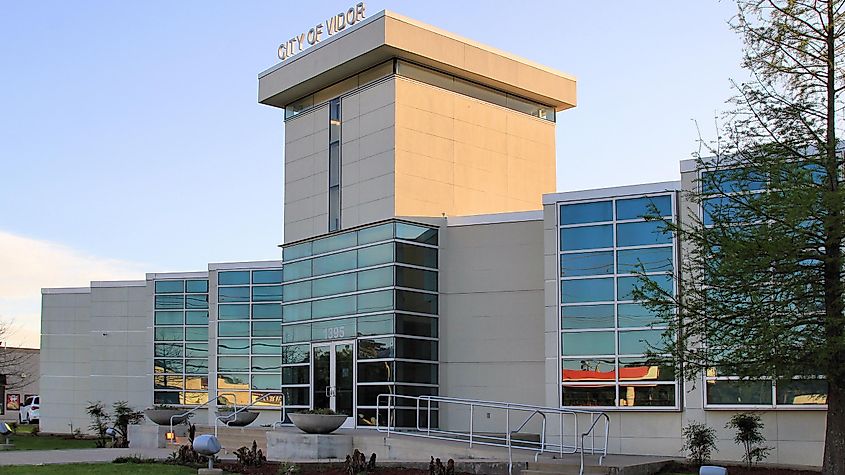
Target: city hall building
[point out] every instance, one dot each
(425, 252)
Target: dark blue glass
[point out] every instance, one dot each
(653, 259)
(416, 302)
(586, 263)
(586, 237)
(586, 212)
(233, 278)
(627, 285)
(636, 208)
(642, 234)
(267, 276)
(375, 301)
(586, 290)
(732, 181)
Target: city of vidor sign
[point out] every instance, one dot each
(331, 26)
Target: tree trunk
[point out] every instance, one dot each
(834, 441)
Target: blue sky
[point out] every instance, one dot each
(131, 139)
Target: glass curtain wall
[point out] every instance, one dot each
(180, 363)
(604, 334)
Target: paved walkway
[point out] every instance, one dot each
(38, 457)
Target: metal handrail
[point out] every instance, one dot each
(424, 403)
(195, 410)
(233, 415)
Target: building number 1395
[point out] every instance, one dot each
(334, 333)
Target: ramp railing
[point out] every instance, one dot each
(567, 425)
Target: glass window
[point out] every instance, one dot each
(169, 318)
(333, 307)
(586, 263)
(338, 284)
(196, 350)
(799, 392)
(273, 276)
(296, 251)
(267, 363)
(169, 333)
(267, 310)
(416, 255)
(375, 278)
(587, 316)
(732, 181)
(295, 354)
(375, 372)
(586, 290)
(233, 363)
(646, 369)
(637, 342)
(232, 294)
(375, 325)
(297, 291)
(168, 382)
(168, 350)
(196, 334)
(410, 232)
(233, 312)
(588, 343)
(297, 270)
(168, 366)
(333, 243)
(586, 212)
(333, 329)
(162, 397)
(266, 346)
(265, 329)
(654, 259)
(636, 315)
(407, 372)
(378, 233)
(628, 284)
(647, 396)
(335, 263)
(232, 329)
(637, 208)
(642, 234)
(295, 375)
(416, 325)
(374, 348)
(266, 382)
(269, 293)
(197, 286)
(375, 255)
(416, 278)
(296, 312)
(169, 286)
(196, 317)
(586, 237)
(296, 333)
(334, 208)
(334, 164)
(234, 381)
(375, 301)
(597, 396)
(414, 349)
(739, 392)
(297, 396)
(588, 369)
(416, 302)
(240, 277)
(196, 301)
(169, 302)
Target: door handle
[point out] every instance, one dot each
(334, 391)
(328, 391)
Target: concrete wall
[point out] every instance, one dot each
(491, 318)
(21, 367)
(307, 174)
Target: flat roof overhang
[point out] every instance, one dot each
(388, 35)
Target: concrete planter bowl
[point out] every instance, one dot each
(241, 419)
(162, 416)
(317, 423)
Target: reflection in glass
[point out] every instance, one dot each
(586, 290)
(169, 302)
(233, 312)
(588, 343)
(228, 346)
(739, 392)
(267, 311)
(233, 278)
(628, 284)
(416, 302)
(232, 294)
(588, 370)
(586, 263)
(375, 324)
(802, 392)
(651, 259)
(586, 237)
(416, 255)
(589, 395)
(233, 329)
(411, 232)
(293, 354)
(333, 307)
(636, 315)
(196, 301)
(266, 346)
(196, 350)
(646, 396)
(268, 293)
(587, 316)
(295, 374)
(586, 212)
(375, 255)
(196, 286)
(233, 363)
(374, 348)
(169, 286)
(637, 342)
(169, 317)
(273, 276)
(642, 234)
(416, 325)
(646, 369)
(637, 208)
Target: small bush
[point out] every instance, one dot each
(35, 431)
(288, 468)
(357, 463)
(322, 411)
(14, 427)
(435, 467)
(749, 434)
(252, 457)
(134, 459)
(186, 455)
(699, 442)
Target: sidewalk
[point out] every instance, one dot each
(38, 457)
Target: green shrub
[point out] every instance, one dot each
(749, 434)
(699, 442)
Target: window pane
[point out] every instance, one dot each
(296, 333)
(802, 391)
(338, 284)
(636, 208)
(267, 310)
(297, 396)
(416, 278)
(169, 302)
(416, 302)
(233, 381)
(410, 232)
(381, 232)
(333, 329)
(636, 315)
(168, 366)
(375, 301)
(657, 259)
(270, 293)
(375, 278)
(373, 348)
(266, 382)
(646, 369)
(333, 243)
(628, 284)
(297, 270)
(196, 382)
(267, 276)
(588, 343)
(586, 290)
(586, 263)
(334, 164)
(588, 370)
(295, 375)
(196, 350)
(260, 329)
(169, 318)
(196, 301)
(334, 263)
(640, 342)
(233, 329)
(233, 312)
(168, 350)
(375, 372)
(233, 278)
(196, 317)
(233, 294)
(416, 325)
(739, 392)
(586, 237)
(375, 255)
(375, 325)
(407, 372)
(589, 396)
(296, 312)
(161, 397)
(414, 349)
(416, 255)
(297, 291)
(196, 334)
(227, 346)
(586, 212)
(233, 363)
(642, 234)
(295, 252)
(266, 347)
(168, 382)
(587, 316)
(169, 286)
(198, 286)
(333, 307)
(169, 333)
(197, 366)
(334, 208)
(647, 396)
(293, 354)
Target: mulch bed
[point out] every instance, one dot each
(742, 470)
(272, 468)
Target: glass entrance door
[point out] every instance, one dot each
(334, 378)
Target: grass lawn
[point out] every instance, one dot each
(48, 442)
(98, 469)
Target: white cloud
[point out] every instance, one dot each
(27, 265)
